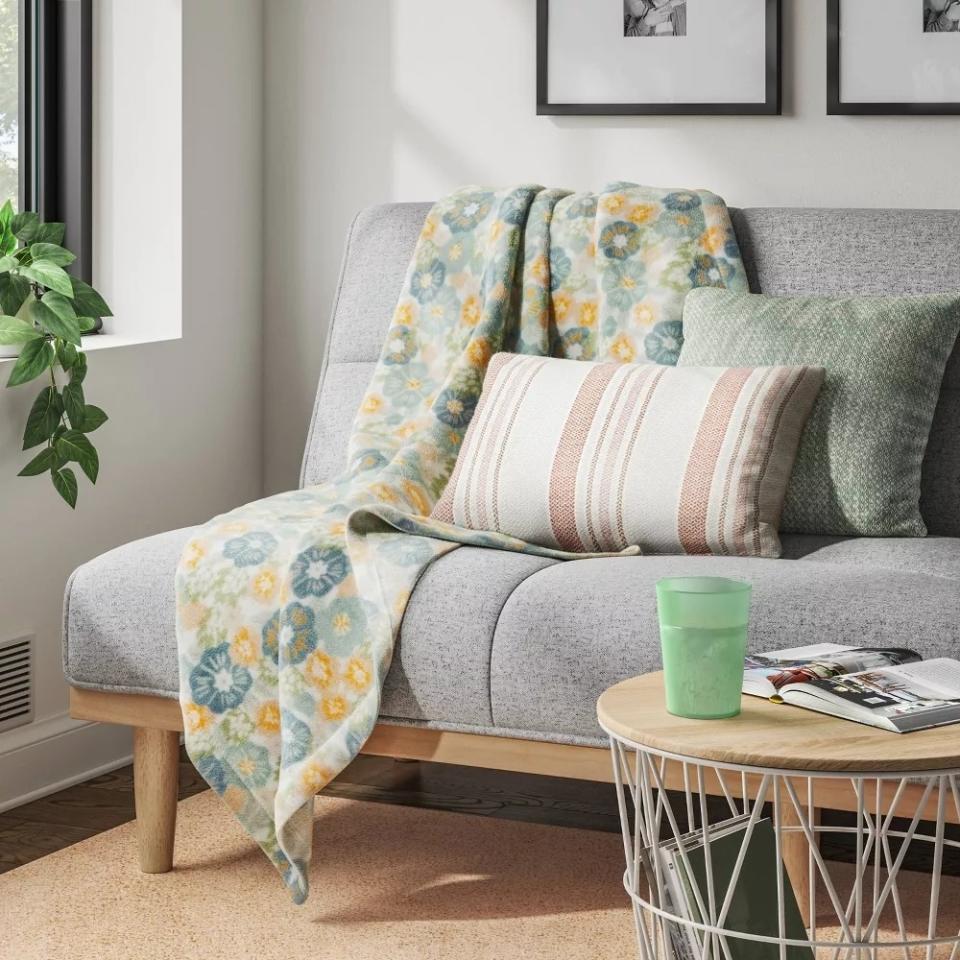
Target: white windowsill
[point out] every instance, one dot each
(107, 341)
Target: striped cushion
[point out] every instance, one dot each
(596, 457)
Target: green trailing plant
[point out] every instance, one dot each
(45, 312)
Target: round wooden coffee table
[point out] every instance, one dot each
(734, 856)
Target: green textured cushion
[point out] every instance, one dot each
(857, 472)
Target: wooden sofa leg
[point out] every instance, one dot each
(156, 756)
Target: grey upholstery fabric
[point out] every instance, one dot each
(573, 629)
(507, 642)
(379, 249)
(931, 556)
(119, 618)
(791, 252)
(341, 392)
(495, 642)
(441, 664)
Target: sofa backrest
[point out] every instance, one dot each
(786, 251)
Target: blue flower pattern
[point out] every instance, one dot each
(708, 271)
(455, 407)
(295, 739)
(217, 682)
(427, 281)
(317, 571)
(664, 341)
(298, 635)
(251, 549)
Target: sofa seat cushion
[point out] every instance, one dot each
(501, 641)
(573, 629)
(934, 556)
(120, 628)
(120, 616)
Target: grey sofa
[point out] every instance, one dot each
(518, 648)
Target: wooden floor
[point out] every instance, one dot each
(44, 826)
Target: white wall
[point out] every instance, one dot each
(405, 99)
(178, 178)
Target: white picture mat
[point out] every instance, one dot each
(885, 57)
(721, 60)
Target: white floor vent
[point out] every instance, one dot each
(16, 682)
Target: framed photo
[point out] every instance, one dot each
(655, 57)
(893, 57)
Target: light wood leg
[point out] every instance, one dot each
(156, 756)
(796, 855)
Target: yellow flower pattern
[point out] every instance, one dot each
(268, 717)
(243, 648)
(197, 718)
(264, 586)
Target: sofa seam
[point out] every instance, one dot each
(173, 695)
(496, 629)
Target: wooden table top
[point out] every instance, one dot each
(772, 735)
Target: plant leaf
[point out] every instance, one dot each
(15, 330)
(7, 263)
(34, 358)
(8, 242)
(43, 418)
(25, 226)
(65, 481)
(87, 323)
(87, 301)
(79, 369)
(14, 291)
(52, 252)
(66, 354)
(93, 417)
(6, 214)
(52, 322)
(41, 463)
(73, 445)
(74, 404)
(51, 233)
(49, 275)
(61, 306)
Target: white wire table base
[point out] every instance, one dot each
(861, 904)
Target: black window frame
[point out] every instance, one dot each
(56, 119)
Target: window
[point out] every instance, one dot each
(9, 101)
(45, 115)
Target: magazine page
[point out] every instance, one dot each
(940, 677)
(913, 696)
(767, 674)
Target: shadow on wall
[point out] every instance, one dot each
(325, 87)
(320, 90)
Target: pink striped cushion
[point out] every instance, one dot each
(596, 457)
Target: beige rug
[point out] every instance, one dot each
(388, 883)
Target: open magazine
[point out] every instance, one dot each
(891, 688)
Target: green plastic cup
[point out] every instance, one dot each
(703, 636)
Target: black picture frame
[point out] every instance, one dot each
(771, 106)
(839, 108)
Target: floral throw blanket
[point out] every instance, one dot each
(287, 608)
